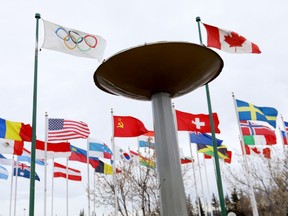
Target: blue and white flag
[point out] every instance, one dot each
(26, 156)
(5, 161)
(3, 173)
(99, 149)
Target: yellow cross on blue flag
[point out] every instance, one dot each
(73, 42)
(248, 111)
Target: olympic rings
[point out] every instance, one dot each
(73, 39)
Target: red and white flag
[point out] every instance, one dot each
(229, 41)
(63, 129)
(54, 150)
(11, 147)
(196, 122)
(61, 170)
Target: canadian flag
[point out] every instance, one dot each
(229, 41)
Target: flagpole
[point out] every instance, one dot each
(201, 183)
(67, 187)
(193, 169)
(208, 200)
(247, 171)
(114, 165)
(45, 161)
(11, 187)
(34, 117)
(216, 157)
(16, 182)
(88, 178)
(94, 201)
(52, 193)
(285, 133)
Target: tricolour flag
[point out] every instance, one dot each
(73, 42)
(196, 122)
(203, 138)
(15, 130)
(286, 126)
(5, 161)
(3, 173)
(208, 150)
(128, 126)
(248, 111)
(80, 155)
(259, 140)
(26, 156)
(184, 159)
(104, 168)
(11, 146)
(147, 162)
(99, 149)
(62, 129)
(24, 171)
(54, 150)
(146, 141)
(229, 41)
(61, 170)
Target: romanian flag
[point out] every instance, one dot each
(248, 111)
(15, 130)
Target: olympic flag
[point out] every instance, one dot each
(73, 42)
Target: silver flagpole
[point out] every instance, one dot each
(201, 183)
(11, 187)
(247, 171)
(193, 169)
(16, 180)
(45, 161)
(88, 178)
(114, 166)
(208, 200)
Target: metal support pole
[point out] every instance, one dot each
(172, 193)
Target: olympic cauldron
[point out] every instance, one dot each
(158, 72)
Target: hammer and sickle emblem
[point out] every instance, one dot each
(120, 123)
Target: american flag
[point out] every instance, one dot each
(62, 129)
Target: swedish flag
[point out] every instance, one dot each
(248, 111)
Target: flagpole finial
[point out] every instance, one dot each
(37, 16)
(198, 19)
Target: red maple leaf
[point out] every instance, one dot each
(234, 40)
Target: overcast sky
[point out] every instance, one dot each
(66, 87)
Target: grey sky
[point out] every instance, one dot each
(65, 83)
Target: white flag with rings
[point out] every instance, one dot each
(73, 42)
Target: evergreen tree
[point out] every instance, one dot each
(234, 202)
(189, 206)
(227, 203)
(215, 205)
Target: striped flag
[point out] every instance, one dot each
(62, 129)
(61, 170)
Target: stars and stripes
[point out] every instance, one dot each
(62, 129)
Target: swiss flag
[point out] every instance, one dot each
(229, 41)
(196, 122)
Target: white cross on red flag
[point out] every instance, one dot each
(196, 122)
